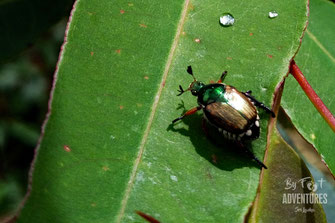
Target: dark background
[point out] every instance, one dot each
(32, 32)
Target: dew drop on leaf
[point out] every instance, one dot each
(227, 19)
(273, 14)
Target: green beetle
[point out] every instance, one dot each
(231, 112)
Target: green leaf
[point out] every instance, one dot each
(279, 193)
(108, 148)
(23, 21)
(316, 59)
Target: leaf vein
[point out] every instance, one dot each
(311, 35)
(152, 114)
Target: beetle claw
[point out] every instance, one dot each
(272, 113)
(181, 90)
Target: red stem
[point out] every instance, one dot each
(315, 99)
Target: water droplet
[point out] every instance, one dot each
(227, 20)
(273, 14)
(174, 178)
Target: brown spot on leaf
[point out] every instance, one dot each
(122, 11)
(143, 25)
(197, 40)
(229, 58)
(270, 56)
(67, 148)
(211, 82)
(251, 34)
(146, 77)
(105, 168)
(118, 51)
(92, 53)
(121, 107)
(163, 84)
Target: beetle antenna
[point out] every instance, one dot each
(181, 90)
(190, 71)
(223, 76)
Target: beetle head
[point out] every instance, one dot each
(195, 87)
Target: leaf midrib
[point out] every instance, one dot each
(153, 112)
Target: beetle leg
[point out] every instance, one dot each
(189, 112)
(251, 155)
(259, 104)
(223, 75)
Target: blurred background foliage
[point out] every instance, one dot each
(32, 32)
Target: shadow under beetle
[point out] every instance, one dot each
(232, 112)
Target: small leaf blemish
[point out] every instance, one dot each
(118, 51)
(209, 175)
(121, 107)
(229, 58)
(197, 40)
(122, 11)
(92, 53)
(146, 77)
(67, 148)
(270, 56)
(143, 25)
(105, 168)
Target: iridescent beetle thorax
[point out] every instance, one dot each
(211, 93)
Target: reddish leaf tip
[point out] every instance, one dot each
(147, 217)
